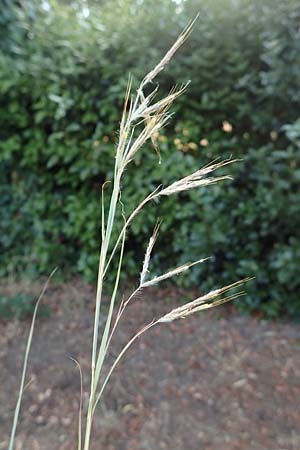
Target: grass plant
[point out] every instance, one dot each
(141, 121)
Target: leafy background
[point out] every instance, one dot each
(63, 74)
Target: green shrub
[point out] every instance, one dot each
(252, 228)
(61, 93)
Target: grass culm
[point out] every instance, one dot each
(142, 118)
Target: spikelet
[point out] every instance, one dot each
(197, 179)
(146, 263)
(165, 60)
(204, 302)
(164, 103)
(152, 126)
(171, 273)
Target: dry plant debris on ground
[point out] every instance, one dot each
(218, 381)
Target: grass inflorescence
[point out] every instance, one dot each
(141, 120)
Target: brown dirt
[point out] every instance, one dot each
(218, 381)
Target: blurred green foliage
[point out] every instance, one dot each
(19, 306)
(61, 87)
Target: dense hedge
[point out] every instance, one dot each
(61, 88)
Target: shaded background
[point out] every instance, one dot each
(63, 72)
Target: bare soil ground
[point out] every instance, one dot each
(218, 381)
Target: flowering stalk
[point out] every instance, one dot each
(137, 111)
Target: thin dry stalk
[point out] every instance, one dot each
(25, 363)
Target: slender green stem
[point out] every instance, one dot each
(103, 346)
(88, 429)
(25, 364)
(102, 259)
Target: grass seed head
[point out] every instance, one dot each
(209, 300)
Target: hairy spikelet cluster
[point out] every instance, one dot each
(197, 179)
(204, 302)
